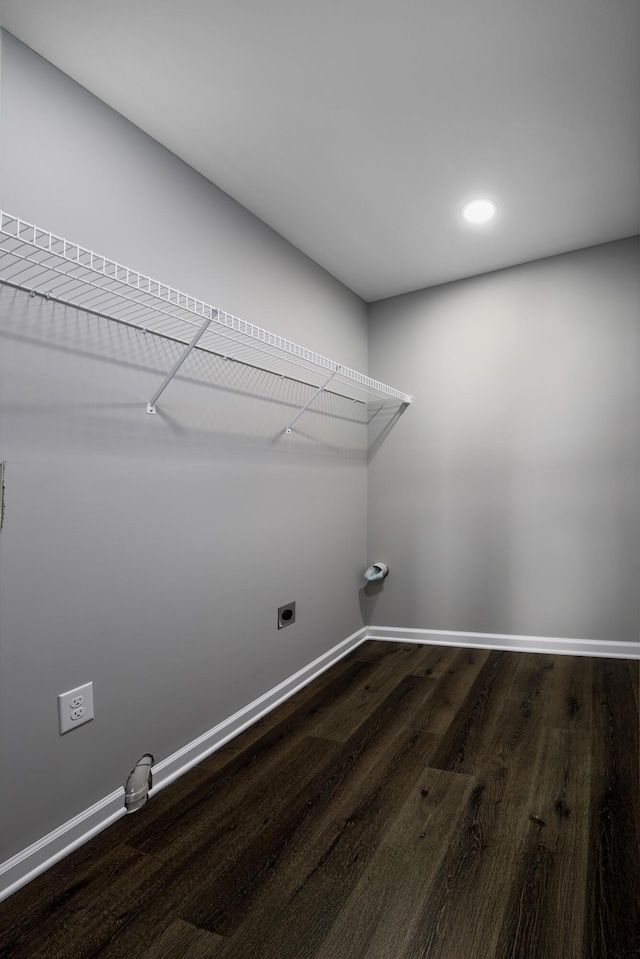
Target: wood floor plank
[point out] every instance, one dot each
(72, 872)
(436, 712)
(316, 697)
(416, 659)
(213, 863)
(203, 856)
(379, 917)
(485, 861)
(297, 716)
(249, 770)
(545, 902)
(613, 907)
(320, 818)
(85, 915)
(308, 891)
(634, 672)
(510, 727)
(376, 649)
(481, 704)
(532, 675)
(433, 661)
(425, 659)
(146, 888)
(469, 804)
(180, 940)
(570, 702)
(225, 817)
(372, 689)
(461, 906)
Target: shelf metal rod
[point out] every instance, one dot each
(151, 405)
(104, 287)
(309, 402)
(136, 326)
(102, 294)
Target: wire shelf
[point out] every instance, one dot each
(41, 263)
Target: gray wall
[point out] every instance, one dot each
(506, 498)
(150, 554)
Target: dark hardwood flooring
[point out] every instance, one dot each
(413, 802)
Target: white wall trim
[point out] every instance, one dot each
(526, 644)
(35, 859)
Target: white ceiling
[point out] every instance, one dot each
(357, 128)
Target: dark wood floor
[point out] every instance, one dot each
(414, 801)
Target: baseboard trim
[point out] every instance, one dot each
(35, 859)
(526, 644)
(41, 855)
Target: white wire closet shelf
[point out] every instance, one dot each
(43, 264)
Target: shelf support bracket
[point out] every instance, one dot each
(151, 405)
(309, 402)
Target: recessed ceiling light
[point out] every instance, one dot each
(479, 211)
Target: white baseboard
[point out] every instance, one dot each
(35, 859)
(525, 644)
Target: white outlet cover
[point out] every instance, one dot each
(67, 707)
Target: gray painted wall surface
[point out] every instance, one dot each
(505, 499)
(150, 554)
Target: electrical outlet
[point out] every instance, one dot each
(75, 707)
(286, 615)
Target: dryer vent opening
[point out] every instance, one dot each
(136, 792)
